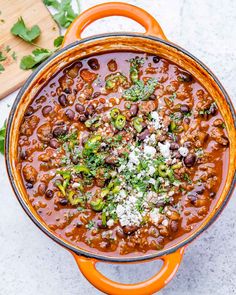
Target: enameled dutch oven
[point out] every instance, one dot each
(154, 42)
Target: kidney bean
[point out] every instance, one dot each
(90, 110)
(177, 155)
(49, 194)
(143, 134)
(42, 188)
(80, 108)
(156, 59)
(184, 108)
(174, 226)
(23, 154)
(187, 144)
(46, 110)
(96, 94)
(54, 143)
(82, 118)
(212, 194)
(60, 131)
(185, 77)
(133, 110)
(152, 96)
(120, 233)
(30, 173)
(63, 101)
(94, 64)
(192, 198)
(174, 146)
(190, 160)
(70, 114)
(187, 121)
(129, 229)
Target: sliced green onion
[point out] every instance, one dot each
(120, 122)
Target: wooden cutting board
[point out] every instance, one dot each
(33, 12)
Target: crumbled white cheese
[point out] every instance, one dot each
(183, 151)
(155, 215)
(165, 222)
(149, 150)
(152, 181)
(110, 222)
(133, 158)
(164, 149)
(128, 213)
(151, 170)
(156, 119)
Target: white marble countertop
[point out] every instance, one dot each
(31, 263)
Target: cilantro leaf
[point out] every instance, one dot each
(1, 68)
(2, 137)
(2, 57)
(65, 13)
(58, 41)
(37, 57)
(19, 29)
(140, 90)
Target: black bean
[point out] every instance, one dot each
(133, 110)
(156, 59)
(212, 194)
(70, 114)
(213, 109)
(90, 110)
(29, 185)
(160, 240)
(29, 111)
(79, 108)
(54, 143)
(67, 90)
(63, 202)
(23, 154)
(192, 198)
(129, 229)
(94, 64)
(200, 190)
(185, 77)
(60, 131)
(46, 110)
(184, 108)
(63, 101)
(174, 146)
(82, 118)
(190, 160)
(152, 96)
(143, 134)
(49, 194)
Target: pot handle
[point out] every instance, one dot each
(150, 286)
(112, 9)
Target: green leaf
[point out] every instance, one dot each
(2, 58)
(1, 68)
(2, 137)
(65, 13)
(19, 29)
(37, 57)
(58, 41)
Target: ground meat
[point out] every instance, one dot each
(88, 76)
(29, 125)
(147, 107)
(44, 132)
(30, 173)
(218, 135)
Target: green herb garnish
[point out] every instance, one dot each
(31, 61)
(2, 137)
(29, 35)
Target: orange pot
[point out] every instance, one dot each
(154, 42)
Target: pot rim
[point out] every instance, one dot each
(40, 224)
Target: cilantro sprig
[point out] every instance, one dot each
(65, 13)
(29, 35)
(2, 137)
(38, 56)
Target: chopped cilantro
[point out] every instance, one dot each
(2, 137)
(140, 90)
(1, 68)
(2, 57)
(29, 35)
(31, 61)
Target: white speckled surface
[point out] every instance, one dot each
(31, 263)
